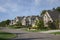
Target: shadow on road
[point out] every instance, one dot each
(31, 38)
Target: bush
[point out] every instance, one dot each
(17, 25)
(51, 25)
(40, 24)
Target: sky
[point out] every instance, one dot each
(9, 9)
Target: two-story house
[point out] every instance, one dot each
(25, 20)
(52, 16)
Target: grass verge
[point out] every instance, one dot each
(6, 35)
(35, 30)
(55, 33)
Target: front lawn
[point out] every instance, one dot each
(6, 35)
(35, 30)
(14, 27)
(55, 33)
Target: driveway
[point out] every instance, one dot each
(23, 35)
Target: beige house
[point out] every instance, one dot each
(25, 20)
(17, 19)
(47, 18)
(34, 22)
(52, 16)
(12, 22)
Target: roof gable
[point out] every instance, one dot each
(54, 14)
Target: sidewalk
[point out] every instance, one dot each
(49, 31)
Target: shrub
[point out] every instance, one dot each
(40, 24)
(51, 25)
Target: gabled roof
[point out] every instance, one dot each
(54, 14)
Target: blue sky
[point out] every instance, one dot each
(9, 9)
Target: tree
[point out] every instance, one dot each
(43, 12)
(40, 24)
(7, 22)
(18, 24)
(57, 23)
(58, 9)
(4, 23)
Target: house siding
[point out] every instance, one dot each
(46, 19)
(29, 20)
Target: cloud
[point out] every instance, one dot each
(10, 9)
(11, 6)
(2, 9)
(52, 1)
(37, 2)
(49, 2)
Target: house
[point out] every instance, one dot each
(28, 20)
(12, 22)
(52, 16)
(34, 19)
(16, 20)
(25, 20)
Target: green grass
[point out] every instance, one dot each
(30, 30)
(6, 35)
(55, 33)
(37, 30)
(14, 27)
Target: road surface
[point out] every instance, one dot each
(23, 35)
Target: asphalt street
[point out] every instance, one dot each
(24, 35)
